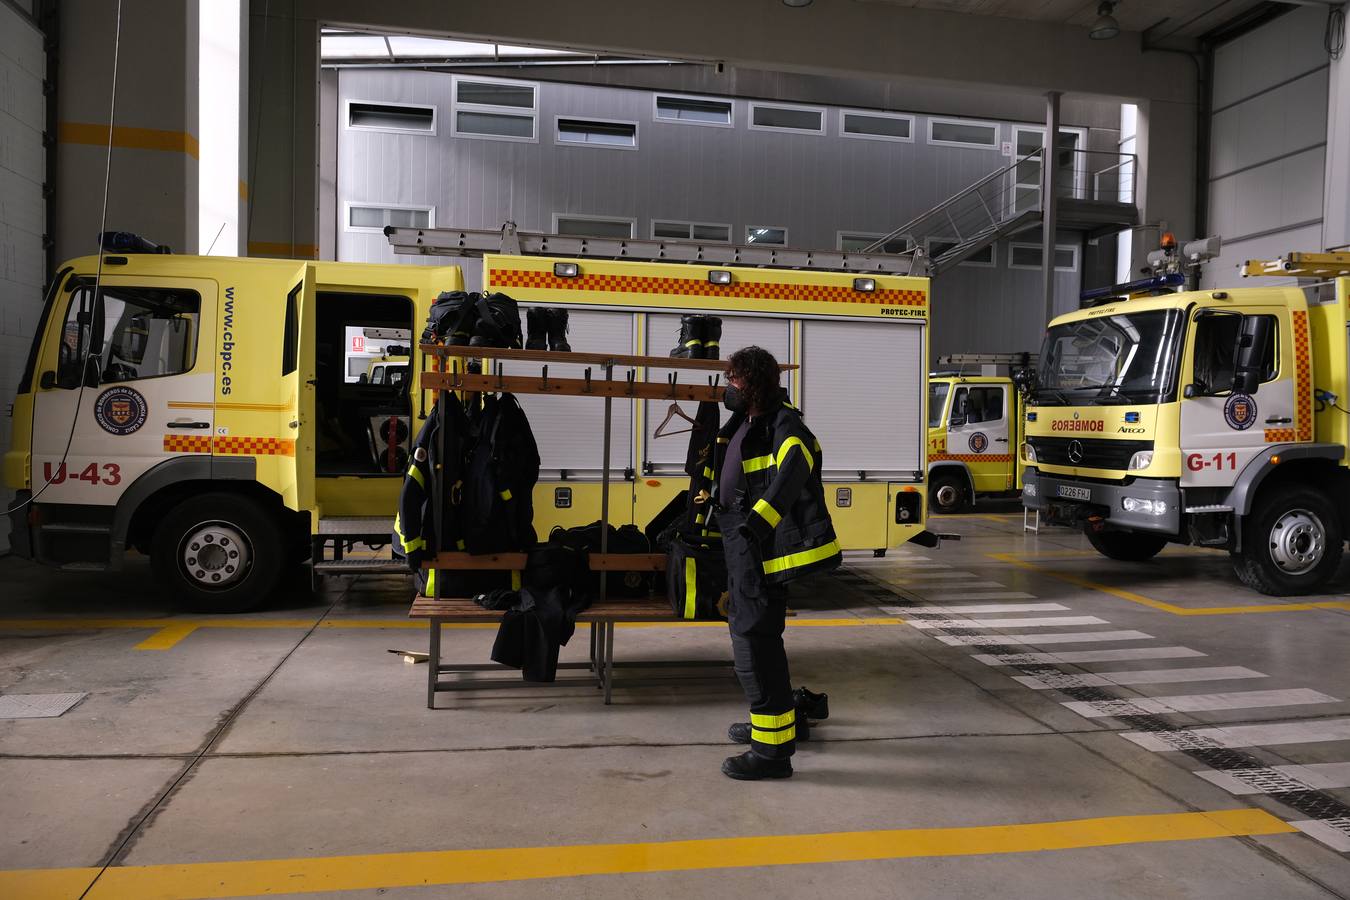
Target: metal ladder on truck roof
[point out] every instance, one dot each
(508, 240)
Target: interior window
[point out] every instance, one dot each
(1215, 351)
(128, 333)
(981, 404)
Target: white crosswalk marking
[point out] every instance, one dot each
(1146, 676)
(986, 608)
(1139, 706)
(1233, 736)
(1036, 622)
(1317, 777)
(1084, 656)
(953, 594)
(1041, 638)
(1335, 833)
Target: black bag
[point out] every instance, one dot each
(627, 539)
(451, 318)
(498, 322)
(696, 578)
(671, 520)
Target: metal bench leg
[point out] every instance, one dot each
(595, 665)
(609, 660)
(433, 662)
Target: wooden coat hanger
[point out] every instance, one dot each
(675, 413)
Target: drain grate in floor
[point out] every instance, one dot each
(37, 706)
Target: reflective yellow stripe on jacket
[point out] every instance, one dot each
(787, 445)
(804, 558)
(766, 512)
(690, 588)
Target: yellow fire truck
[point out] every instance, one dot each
(974, 430)
(198, 409)
(1217, 418)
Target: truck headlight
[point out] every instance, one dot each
(1028, 452)
(1148, 507)
(1141, 460)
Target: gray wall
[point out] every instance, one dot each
(23, 218)
(814, 185)
(1269, 142)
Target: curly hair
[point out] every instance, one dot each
(759, 370)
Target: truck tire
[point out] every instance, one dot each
(218, 553)
(1291, 544)
(1126, 546)
(948, 493)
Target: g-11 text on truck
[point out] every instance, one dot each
(1216, 418)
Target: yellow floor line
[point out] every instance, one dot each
(446, 867)
(169, 632)
(1170, 607)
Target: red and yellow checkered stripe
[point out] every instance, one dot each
(229, 446)
(1303, 390)
(1280, 435)
(743, 290)
(187, 443)
(971, 457)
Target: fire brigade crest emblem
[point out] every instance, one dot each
(1240, 412)
(979, 442)
(120, 410)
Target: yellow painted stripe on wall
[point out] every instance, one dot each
(510, 864)
(128, 137)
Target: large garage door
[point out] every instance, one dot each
(1268, 142)
(22, 216)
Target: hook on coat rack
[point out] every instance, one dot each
(501, 372)
(587, 389)
(543, 379)
(673, 379)
(632, 377)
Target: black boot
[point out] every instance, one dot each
(711, 336)
(689, 345)
(811, 705)
(557, 331)
(536, 326)
(739, 733)
(750, 766)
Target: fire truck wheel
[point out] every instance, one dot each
(218, 553)
(1127, 546)
(948, 494)
(1292, 543)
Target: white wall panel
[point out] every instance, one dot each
(1261, 59)
(1223, 272)
(1291, 117)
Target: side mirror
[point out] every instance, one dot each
(48, 380)
(364, 378)
(1249, 356)
(1190, 391)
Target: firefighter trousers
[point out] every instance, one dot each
(756, 614)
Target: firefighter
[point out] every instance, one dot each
(775, 527)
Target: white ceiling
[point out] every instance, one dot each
(1168, 18)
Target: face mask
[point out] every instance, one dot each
(734, 399)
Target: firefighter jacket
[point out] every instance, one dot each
(502, 468)
(783, 497)
(415, 522)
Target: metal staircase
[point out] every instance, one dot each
(1008, 202)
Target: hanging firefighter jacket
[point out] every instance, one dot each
(415, 522)
(783, 497)
(698, 463)
(502, 468)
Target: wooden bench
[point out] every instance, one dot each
(605, 615)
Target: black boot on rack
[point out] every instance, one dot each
(689, 345)
(557, 331)
(537, 320)
(711, 334)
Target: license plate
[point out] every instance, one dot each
(1070, 492)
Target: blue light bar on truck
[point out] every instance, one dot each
(1154, 283)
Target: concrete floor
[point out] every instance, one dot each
(288, 752)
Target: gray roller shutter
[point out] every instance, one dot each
(568, 429)
(667, 454)
(863, 396)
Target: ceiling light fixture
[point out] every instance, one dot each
(1106, 26)
(796, 4)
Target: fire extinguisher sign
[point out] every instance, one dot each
(358, 343)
